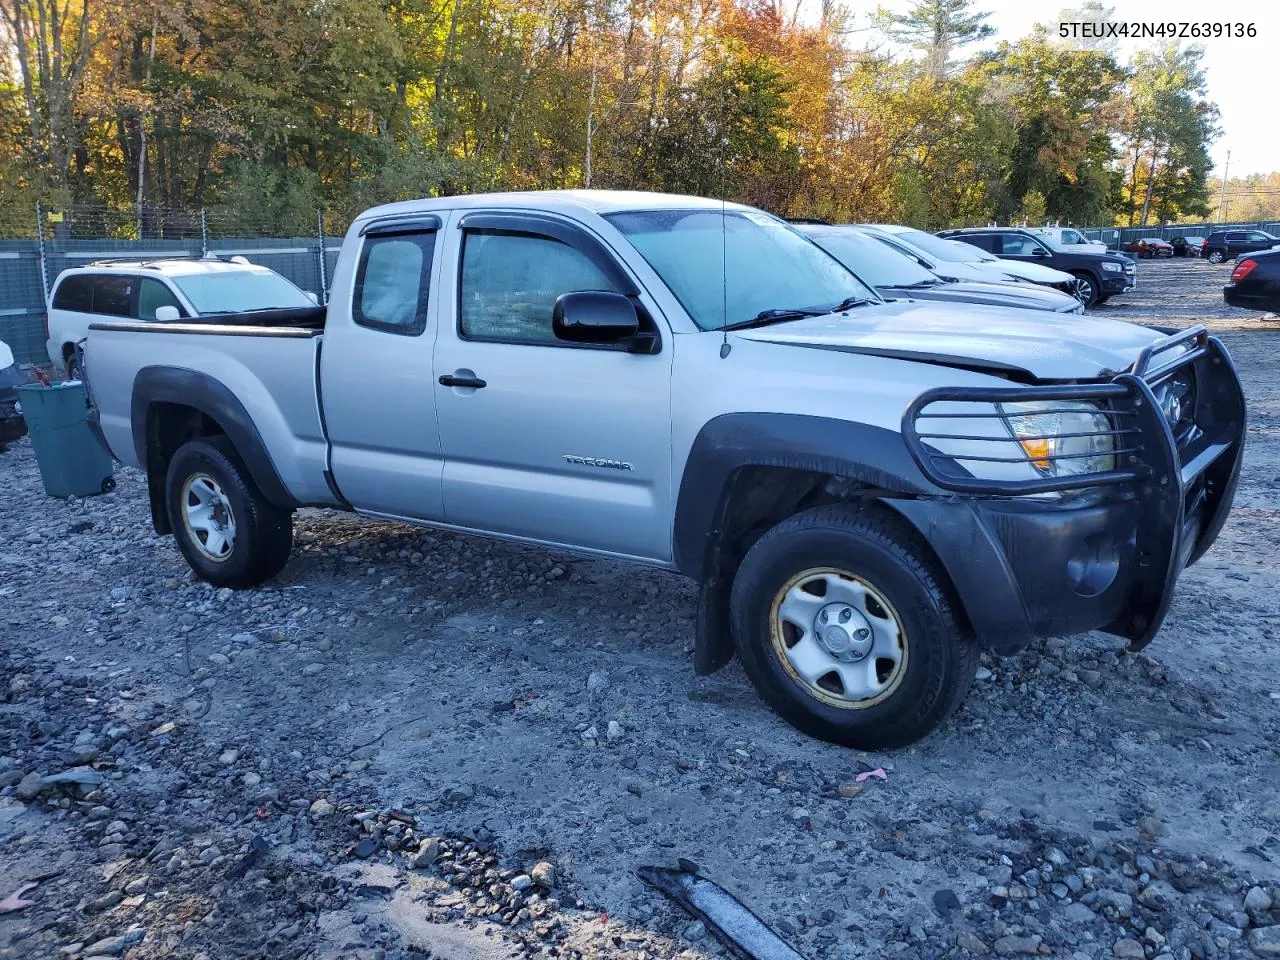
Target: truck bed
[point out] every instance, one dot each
(270, 370)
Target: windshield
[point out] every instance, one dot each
(754, 261)
(955, 251)
(872, 260)
(242, 291)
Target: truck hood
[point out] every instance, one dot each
(1023, 345)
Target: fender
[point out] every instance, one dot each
(201, 392)
(873, 457)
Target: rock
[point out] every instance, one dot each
(614, 730)
(29, 787)
(1152, 828)
(695, 931)
(86, 778)
(428, 853)
(945, 902)
(591, 733)
(597, 681)
(114, 946)
(544, 874)
(228, 756)
(1111, 903)
(311, 669)
(135, 887)
(1077, 913)
(521, 882)
(1013, 946)
(967, 942)
(1127, 949)
(1265, 941)
(219, 659)
(1257, 900)
(209, 854)
(322, 808)
(982, 673)
(366, 848)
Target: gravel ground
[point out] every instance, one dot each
(414, 744)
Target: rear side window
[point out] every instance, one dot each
(511, 281)
(1234, 236)
(75, 293)
(392, 283)
(983, 241)
(153, 295)
(113, 295)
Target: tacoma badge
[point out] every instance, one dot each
(598, 462)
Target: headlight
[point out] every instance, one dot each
(1062, 438)
(1177, 397)
(1111, 267)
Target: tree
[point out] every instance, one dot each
(938, 28)
(1168, 128)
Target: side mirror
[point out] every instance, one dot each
(1038, 252)
(594, 316)
(167, 314)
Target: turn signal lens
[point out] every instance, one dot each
(1062, 438)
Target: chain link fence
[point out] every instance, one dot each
(36, 249)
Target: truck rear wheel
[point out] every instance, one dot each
(228, 532)
(841, 622)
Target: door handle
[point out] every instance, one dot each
(451, 380)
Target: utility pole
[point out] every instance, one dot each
(1222, 194)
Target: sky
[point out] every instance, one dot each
(1240, 72)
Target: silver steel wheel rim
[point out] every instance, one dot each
(207, 516)
(1085, 290)
(838, 638)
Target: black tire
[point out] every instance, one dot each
(263, 531)
(938, 661)
(73, 367)
(1216, 256)
(1101, 299)
(1089, 280)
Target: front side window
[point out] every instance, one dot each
(393, 283)
(751, 260)
(153, 295)
(75, 293)
(240, 291)
(113, 296)
(511, 281)
(1017, 245)
(1257, 236)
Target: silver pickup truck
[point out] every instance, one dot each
(867, 492)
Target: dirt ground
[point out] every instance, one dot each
(538, 716)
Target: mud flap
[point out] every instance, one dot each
(713, 640)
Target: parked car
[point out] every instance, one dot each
(865, 491)
(1255, 282)
(1064, 238)
(1229, 244)
(1149, 248)
(1101, 275)
(1188, 246)
(960, 261)
(12, 426)
(896, 274)
(161, 290)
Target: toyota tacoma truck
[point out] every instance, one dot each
(868, 493)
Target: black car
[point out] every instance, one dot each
(898, 274)
(12, 426)
(1188, 246)
(1101, 275)
(1229, 244)
(1255, 282)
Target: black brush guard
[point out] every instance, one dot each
(1183, 487)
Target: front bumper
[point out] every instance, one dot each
(1108, 554)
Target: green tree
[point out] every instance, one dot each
(937, 28)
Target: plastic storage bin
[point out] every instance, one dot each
(73, 463)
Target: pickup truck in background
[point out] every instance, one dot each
(866, 492)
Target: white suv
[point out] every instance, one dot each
(164, 290)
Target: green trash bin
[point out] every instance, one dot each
(73, 462)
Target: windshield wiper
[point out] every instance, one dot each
(919, 284)
(775, 315)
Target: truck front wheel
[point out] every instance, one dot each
(841, 622)
(228, 532)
